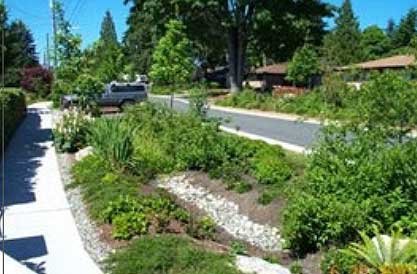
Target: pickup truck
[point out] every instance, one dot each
(116, 95)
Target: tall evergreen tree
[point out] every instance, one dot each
(406, 30)
(108, 32)
(21, 47)
(20, 50)
(374, 43)
(391, 28)
(342, 46)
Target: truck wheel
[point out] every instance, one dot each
(126, 104)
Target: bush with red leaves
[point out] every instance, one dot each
(37, 80)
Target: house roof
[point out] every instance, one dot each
(273, 69)
(399, 61)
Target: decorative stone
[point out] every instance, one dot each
(224, 213)
(83, 153)
(253, 265)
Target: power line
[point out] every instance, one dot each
(24, 12)
(74, 10)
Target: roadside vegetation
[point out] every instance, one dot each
(334, 100)
(14, 103)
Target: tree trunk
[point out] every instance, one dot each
(237, 50)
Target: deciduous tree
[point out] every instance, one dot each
(172, 62)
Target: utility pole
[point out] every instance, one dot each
(52, 4)
(48, 57)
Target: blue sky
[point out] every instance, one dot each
(86, 15)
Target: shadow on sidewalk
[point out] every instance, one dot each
(22, 159)
(23, 249)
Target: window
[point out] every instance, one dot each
(120, 89)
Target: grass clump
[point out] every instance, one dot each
(168, 254)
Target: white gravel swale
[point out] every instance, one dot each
(225, 213)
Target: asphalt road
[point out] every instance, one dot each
(293, 132)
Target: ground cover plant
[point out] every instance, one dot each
(168, 254)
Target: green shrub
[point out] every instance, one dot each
(167, 141)
(167, 254)
(351, 184)
(14, 104)
(112, 140)
(338, 261)
(269, 169)
(204, 228)
(129, 224)
(70, 133)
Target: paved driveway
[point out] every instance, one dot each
(292, 132)
(40, 231)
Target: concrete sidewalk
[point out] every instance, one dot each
(40, 230)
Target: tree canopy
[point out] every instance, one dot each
(342, 45)
(172, 62)
(271, 28)
(108, 32)
(20, 49)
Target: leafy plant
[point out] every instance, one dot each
(384, 251)
(238, 248)
(129, 224)
(338, 261)
(303, 66)
(172, 62)
(37, 80)
(112, 140)
(204, 228)
(70, 132)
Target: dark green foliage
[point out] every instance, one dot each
(19, 46)
(108, 32)
(14, 104)
(167, 254)
(406, 30)
(342, 45)
(374, 43)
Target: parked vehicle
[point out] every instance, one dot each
(116, 95)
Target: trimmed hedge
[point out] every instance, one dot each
(14, 110)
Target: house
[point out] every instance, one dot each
(275, 75)
(356, 74)
(269, 76)
(398, 62)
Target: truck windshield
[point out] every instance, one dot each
(120, 89)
